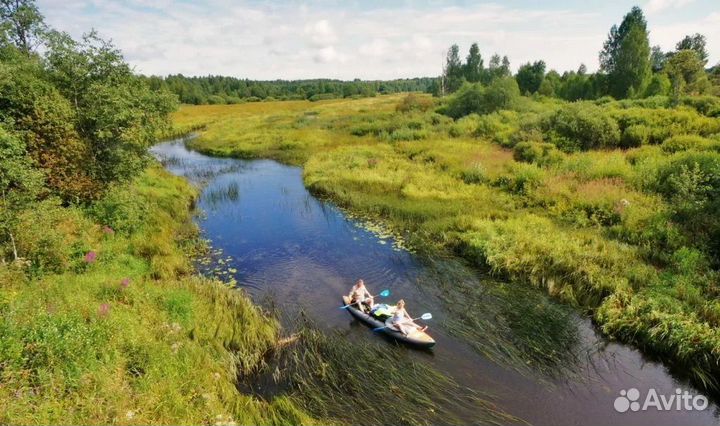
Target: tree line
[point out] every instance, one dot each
(629, 68)
(230, 90)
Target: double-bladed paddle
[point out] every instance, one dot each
(384, 293)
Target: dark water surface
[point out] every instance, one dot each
(281, 243)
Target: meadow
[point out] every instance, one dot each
(107, 324)
(610, 206)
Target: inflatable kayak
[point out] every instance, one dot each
(416, 338)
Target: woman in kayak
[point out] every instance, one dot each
(402, 321)
(361, 297)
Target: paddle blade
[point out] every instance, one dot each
(344, 307)
(378, 329)
(385, 293)
(426, 316)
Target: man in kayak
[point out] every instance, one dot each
(361, 297)
(402, 321)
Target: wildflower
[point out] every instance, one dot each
(125, 283)
(130, 414)
(104, 309)
(90, 257)
(108, 230)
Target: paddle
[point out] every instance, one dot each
(425, 317)
(384, 293)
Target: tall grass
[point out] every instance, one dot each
(590, 226)
(127, 335)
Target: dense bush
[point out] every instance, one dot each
(501, 94)
(414, 102)
(684, 143)
(635, 135)
(581, 126)
(537, 152)
(121, 210)
(706, 105)
(664, 123)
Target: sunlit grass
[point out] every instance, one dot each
(583, 226)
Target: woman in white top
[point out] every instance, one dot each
(402, 321)
(360, 296)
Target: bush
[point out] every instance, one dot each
(321, 97)
(684, 143)
(498, 127)
(501, 94)
(121, 210)
(537, 152)
(706, 105)
(51, 237)
(413, 102)
(581, 126)
(635, 135)
(467, 100)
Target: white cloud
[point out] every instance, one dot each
(654, 6)
(261, 40)
(320, 34)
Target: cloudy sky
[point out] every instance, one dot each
(368, 39)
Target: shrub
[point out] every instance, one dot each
(413, 102)
(501, 94)
(581, 126)
(52, 237)
(684, 143)
(537, 152)
(120, 209)
(467, 100)
(635, 135)
(321, 97)
(498, 127)
(706, 105)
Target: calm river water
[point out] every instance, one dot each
(283, 244)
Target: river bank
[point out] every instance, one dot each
(292, 251)
(449, 189)
(125, 333)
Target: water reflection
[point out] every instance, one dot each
(542, 361)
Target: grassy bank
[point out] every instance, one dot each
(102, 322)
(605, 205)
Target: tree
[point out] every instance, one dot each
(497, 68)
(453, 73)
(687, 73)
(21, 24)
(611, 47)
(626, 56)
(657, 59)
(633, 68)
(474, 65)
(530, 76)
(696, 42)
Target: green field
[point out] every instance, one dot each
(607, 205)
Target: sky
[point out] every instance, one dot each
(366, 39)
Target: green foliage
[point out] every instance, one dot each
(659, 85)
(502, 93)
(538, 153)
(123, 211)
(684, 143)
(687, 73)
(414, 103)
(581, 126)
(530, 76)
(706, 105)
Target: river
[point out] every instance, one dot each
(281, 243)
